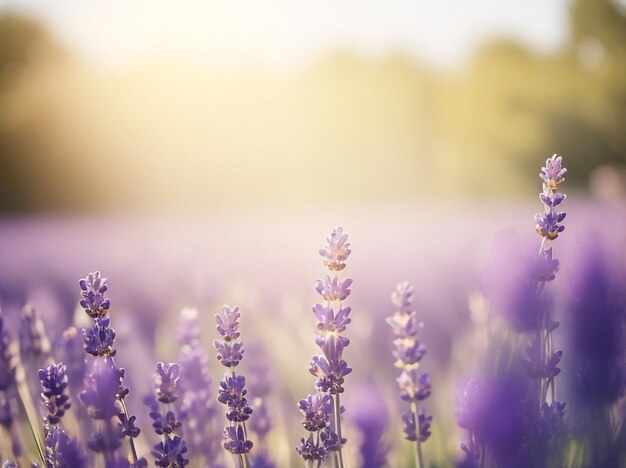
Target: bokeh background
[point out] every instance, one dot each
(198, 153)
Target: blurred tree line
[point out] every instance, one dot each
(390, 129)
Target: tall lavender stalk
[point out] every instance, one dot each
(170, 452)
(542, 357)
(232, 391)
(329, 367)
(99, 341)
(61, 450)
(409, 351)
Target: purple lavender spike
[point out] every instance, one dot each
(232, 392)
(408, 351)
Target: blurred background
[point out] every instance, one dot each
(198, 153)
(156, 107)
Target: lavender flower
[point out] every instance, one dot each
(166, 382)
(549, 222)
(408, 351)
(336, 251)
(329, 367)
(317, 410)
(195, 384)
(69, 350)
(94, 302)
(7, 360)
(61, 450)
(102, 387)
(371, 418)
(232, 394)
(410, 427)
(235, 440)
(541, 357)
(170, 453)
(100, 338)
(232, 388)
(32, 334)
(54, 392)
(105, 393)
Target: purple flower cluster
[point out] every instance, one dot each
(60, 449)
(54, 392)
(169, 452)
(104, 394)
(549, 221)
(329, 367)
(408, 351)
(94, 302)
(232, 392)
(197, 399)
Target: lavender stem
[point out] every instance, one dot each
(419, 460)
(338, 429)
(31, 413)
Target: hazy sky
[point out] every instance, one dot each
(281, 34)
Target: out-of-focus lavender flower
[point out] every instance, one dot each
(69, 350)
(170, 453)
(370, 417)
(497, 411)
(336, 251)
(414, 385)
(7, 360)
(235, 440)
(188, 329)
(32, 334)
(100, 338)
(62, 451)
(54, 392)
(408, 351)
(597, 355)
(102, 387)
(197, 400)
(94, 302)
(166, 382)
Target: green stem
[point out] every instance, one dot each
(338, 429)
(29, 408)
(419, 460)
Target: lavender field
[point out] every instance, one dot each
(348, 234)
(461, 316)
